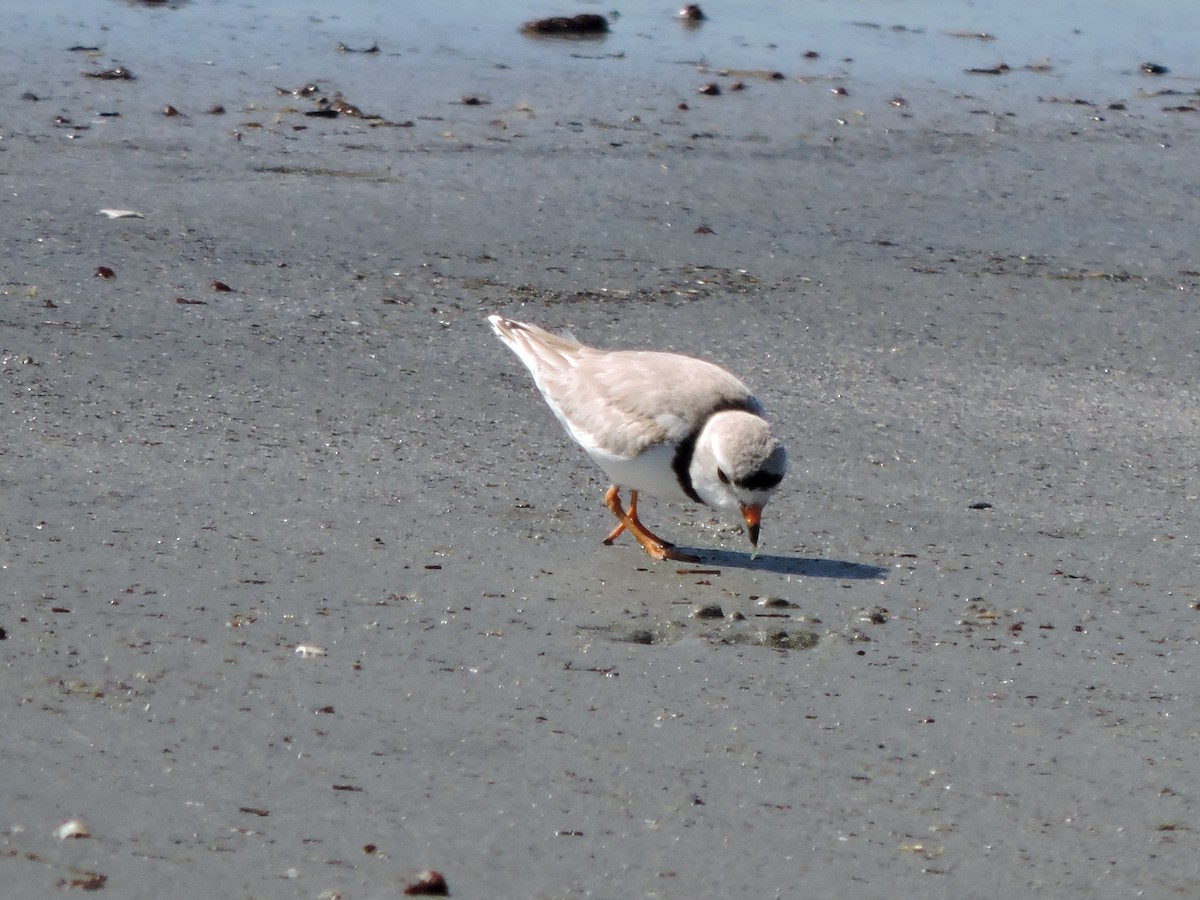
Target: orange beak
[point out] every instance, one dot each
(752, 513)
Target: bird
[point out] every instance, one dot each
(672, 426)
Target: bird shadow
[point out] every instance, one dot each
(790, 565)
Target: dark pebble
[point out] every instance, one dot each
(584, 23)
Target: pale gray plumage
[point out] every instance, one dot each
(670, 425)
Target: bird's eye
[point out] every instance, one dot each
(724, 478)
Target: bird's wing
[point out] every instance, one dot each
(627, 400)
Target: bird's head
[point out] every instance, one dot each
(737, 466)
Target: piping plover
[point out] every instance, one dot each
(660, 423)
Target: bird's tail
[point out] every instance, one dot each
(537, 348)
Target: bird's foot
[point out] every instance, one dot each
(627, 520)
(620, 529)
(615, 533)
(661, 550)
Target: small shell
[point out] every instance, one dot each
(122, 214)
(307, 650)
(73, 828)
(428, 884)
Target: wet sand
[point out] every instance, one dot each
(962, 665)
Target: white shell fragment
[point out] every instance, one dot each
(122, 213)
(73, 828)
(307, 650)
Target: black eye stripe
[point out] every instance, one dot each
(721, 475)
(759, 481)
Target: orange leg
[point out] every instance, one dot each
(613, 497)
(654, 546)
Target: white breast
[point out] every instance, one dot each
(649, 472)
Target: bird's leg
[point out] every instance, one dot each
(612, 499)
(630, 515)
(654, 546)
(633, 517)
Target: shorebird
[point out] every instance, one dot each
(664, 424)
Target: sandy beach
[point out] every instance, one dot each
(302, 589)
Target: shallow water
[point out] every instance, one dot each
(1079, 48)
